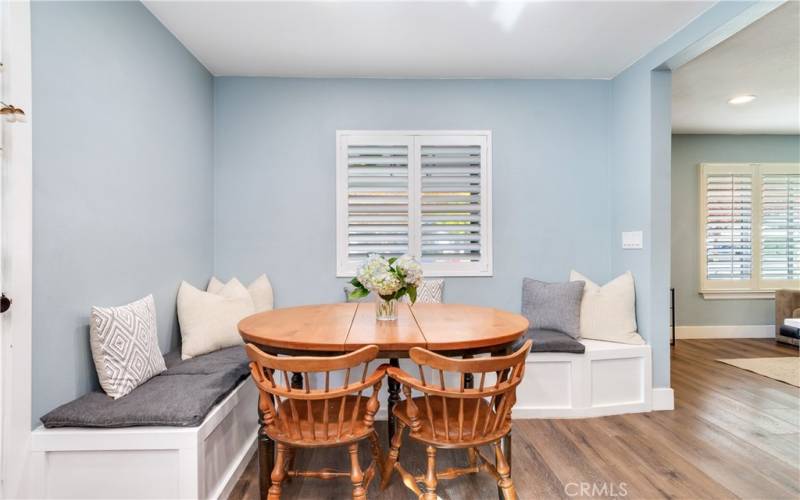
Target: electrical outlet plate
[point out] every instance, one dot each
(632, 240)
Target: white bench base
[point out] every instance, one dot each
(150, 462)
(608, 379)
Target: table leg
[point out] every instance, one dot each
(505, 447)
(297, 380)
(505, 441)
(469, 381)
(266, 456)
(394, 398)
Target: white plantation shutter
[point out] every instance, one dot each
(415, 192)
(453, 222)
(728, 222)
(780, 226)
(750, 229)
(376, 184)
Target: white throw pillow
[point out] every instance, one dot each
(260, 291)
(208, 320)
(608, 312)
(124, 343)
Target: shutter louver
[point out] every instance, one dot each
(450, 185)
(728, 226)
(780, 227)
(377, 200)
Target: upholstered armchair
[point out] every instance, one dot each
(787, 305)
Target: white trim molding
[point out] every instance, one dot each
(17, 216)
(663, 398)
(737, 294)
(725, 332)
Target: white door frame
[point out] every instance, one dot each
(17, 223)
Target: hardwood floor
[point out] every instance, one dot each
(733, 434)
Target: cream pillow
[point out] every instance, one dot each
(260, 291)
(608, 312)
(208, 320)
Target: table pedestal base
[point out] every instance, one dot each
(394, 398)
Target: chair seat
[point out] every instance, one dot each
(351, 430)
(452, 439)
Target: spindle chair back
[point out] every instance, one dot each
(339, 411)
(451, 412)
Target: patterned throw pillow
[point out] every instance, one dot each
(125, 346)
(430, 292)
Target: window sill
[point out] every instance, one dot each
(737, 294)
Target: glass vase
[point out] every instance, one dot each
(386, 310)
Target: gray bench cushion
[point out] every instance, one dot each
(181, 396)
(550, 341)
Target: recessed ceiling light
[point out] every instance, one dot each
(741, 99)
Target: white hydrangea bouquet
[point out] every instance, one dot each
(390, 279)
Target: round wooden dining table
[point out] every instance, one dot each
(331, 329)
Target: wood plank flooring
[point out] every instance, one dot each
(733, 434)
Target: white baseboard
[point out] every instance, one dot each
(725, 332)
(663, 398)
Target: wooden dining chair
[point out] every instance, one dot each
(331, 415)
(458, 416)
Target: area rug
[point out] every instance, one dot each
(783, 369)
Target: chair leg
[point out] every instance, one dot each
(430, 476)
(377, 453)
(504, 471)
(472, 457)
(278, 473)
(394, 452)
(356, 475)
(289, 463)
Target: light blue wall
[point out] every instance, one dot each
(688, 151)
(640, 169)
(275, 175)
(127, 123)
(122, 178)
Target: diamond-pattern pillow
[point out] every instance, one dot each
(429, 292)
(124, 344)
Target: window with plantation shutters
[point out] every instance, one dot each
(750, 229)
(780, 227)
(422, 193)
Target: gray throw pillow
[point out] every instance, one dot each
(553, 306)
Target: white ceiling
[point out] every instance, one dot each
(762, 59)
(402, 39)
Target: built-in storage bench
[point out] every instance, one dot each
(186, 433)
(150, 462)
(607, 379)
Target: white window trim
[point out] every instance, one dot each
(346, 269)
(755, 288)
